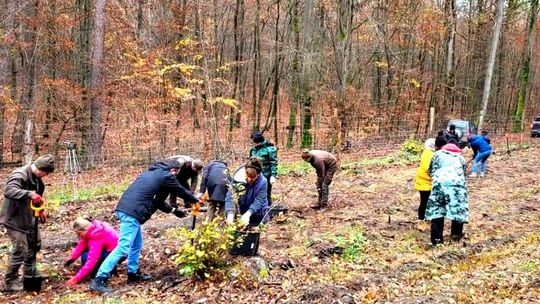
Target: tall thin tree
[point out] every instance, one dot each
(491, 62)
(96, 103)
(525, 73)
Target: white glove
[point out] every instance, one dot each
(198, 195)
(230, 218)
(245, 218)
(272, 179)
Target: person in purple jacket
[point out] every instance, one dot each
(97, 240)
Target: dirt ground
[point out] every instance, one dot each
(498, 261)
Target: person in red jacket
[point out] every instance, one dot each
(97, 240)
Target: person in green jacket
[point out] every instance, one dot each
(267, 153)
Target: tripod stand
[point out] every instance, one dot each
(71, 167)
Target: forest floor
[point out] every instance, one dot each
(372, 216)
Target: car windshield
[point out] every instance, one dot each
(459, 124)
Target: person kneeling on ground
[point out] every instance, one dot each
(253, 203)
(97, 240)
(325, 165)
(216, 179)
(141, 199)
(448, 196)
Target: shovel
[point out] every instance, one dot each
(32, 283)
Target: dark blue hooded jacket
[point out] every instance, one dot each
(148, 192)
(479, 143)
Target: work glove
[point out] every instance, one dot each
(36, 198)
(42, 216)
(68, 263)
(245, 218)
(272, 180)
(198, 195)
(71, 282)
(179, 213)
(230, 218)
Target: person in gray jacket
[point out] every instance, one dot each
(23, 185)
(325, 165)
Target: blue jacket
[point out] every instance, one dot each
(254, 199)
(216, 179)
(148, 192)
(479, 143)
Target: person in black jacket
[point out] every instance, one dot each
(187, 176)
(216, 179)
(142, 198)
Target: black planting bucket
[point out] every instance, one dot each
(32, 283)
(249, 246)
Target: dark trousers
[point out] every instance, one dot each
(269, 191)
(424, 197)
(437, 228)
(22, 252)
(84, 258)
(215, 207)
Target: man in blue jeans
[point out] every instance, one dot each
(482, 150)
(141, 199)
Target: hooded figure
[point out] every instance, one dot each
(448, 196)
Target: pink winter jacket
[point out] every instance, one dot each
(99, 237)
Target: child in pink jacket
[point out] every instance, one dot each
(97, 240)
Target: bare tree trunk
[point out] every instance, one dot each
(256, 125)
(491, 62)
(343, 50)
(305, 84)
(295, 73)
(524, 75)
(6, 62)
(277, 75)
(96, 104)
(28, 52)
(450, 7)
(83, 70)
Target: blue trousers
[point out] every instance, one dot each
(480, 157)
(129, 244)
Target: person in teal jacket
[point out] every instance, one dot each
(267, 153)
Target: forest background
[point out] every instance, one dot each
(137, 80)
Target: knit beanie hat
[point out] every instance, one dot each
(45, 163)
(258, 137)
